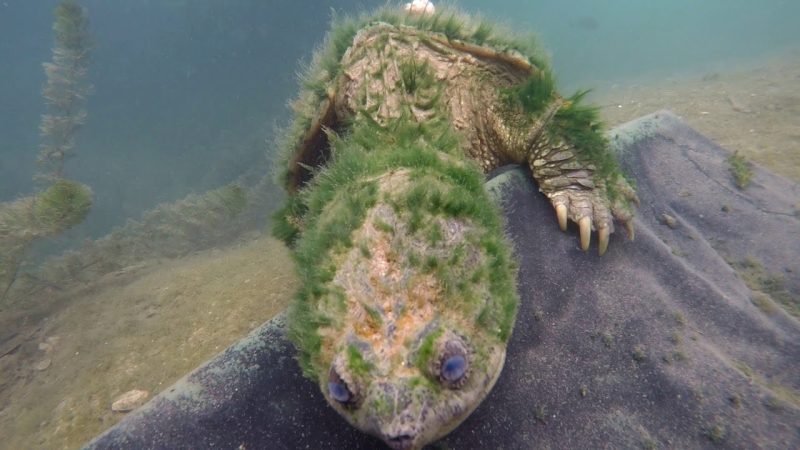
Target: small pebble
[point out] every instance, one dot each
(669, 221)
(43, 364)
(130, 400)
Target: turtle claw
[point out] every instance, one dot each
(561, 212)
(629, 229)
(602, 240)
(590, 209)
(585, 224)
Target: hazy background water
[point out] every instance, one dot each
(187, 92)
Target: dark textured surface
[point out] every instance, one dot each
(655, 345)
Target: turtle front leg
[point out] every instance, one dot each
(570, 160)
(577, 197)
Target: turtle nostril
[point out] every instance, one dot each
(401, 442)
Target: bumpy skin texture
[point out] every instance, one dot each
(406, 308)
(408, 296)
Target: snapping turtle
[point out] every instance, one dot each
(408, 295)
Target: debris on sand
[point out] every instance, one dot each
(43, 364)
(738, 106)
(130, 400)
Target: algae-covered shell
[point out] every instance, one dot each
(319, 109)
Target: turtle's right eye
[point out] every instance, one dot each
(338, 389)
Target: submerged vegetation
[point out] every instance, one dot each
(66, 88)
(415, 75)
(532, 95)
(768, 288)
(62, 204)
(169, 230)
(740, 170)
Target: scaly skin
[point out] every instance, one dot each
(408, 297)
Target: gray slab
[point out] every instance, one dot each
(655, 345)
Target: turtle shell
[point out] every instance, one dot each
(326, 103)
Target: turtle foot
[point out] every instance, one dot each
(595, 210)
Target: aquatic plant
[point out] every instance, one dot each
(768, 288)
(740, 170)
(66, 88)
(59, 207)
(62, 204)
(170, 230)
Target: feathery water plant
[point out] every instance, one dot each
(66, 88)
(62, 204)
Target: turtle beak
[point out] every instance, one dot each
(400, 430)
(401, 442)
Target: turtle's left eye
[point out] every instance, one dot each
(454, 368)
(453, 365)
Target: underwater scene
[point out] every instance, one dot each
(174, 174)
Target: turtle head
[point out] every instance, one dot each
(418, 331)
(406, 331)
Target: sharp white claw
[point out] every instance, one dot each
(585, 224)
(602, 240)
(561, 212)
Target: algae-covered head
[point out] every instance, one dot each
(416, 330)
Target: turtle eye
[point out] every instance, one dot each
(454, 365)
(454, 368)
(339, 392)
(338, 389)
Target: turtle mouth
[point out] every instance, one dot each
(401, 442)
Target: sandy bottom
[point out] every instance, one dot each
(752, 108)
(140, 328)
(146, 326)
